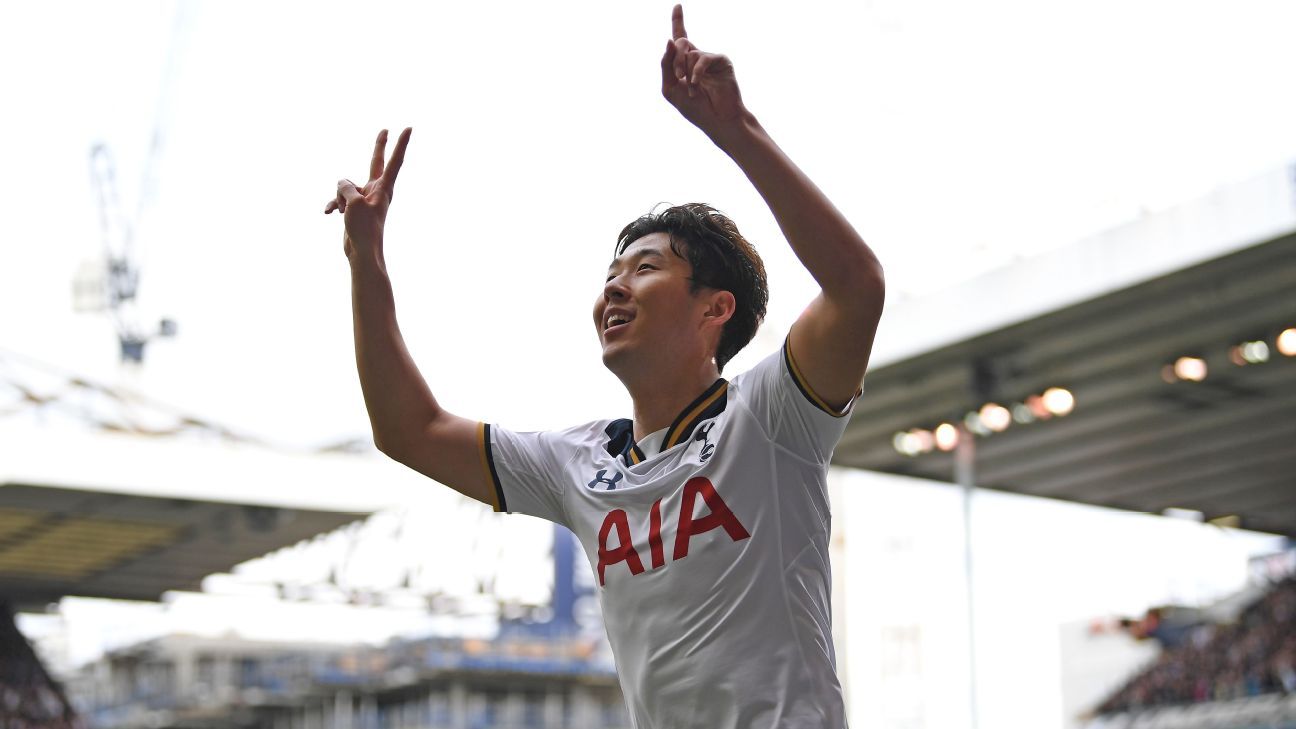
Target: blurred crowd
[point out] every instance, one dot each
(1252, 656)
(29, 698)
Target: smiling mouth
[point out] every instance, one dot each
(616, 321)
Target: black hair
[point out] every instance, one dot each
(721, 258)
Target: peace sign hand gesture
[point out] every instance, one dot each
(702, 86)
(364, 209)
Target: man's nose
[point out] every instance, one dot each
(614, 289)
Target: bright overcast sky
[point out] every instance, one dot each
(956, 136)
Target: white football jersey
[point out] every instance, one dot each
(710, 556)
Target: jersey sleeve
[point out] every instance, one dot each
(523, 468)
(794, 416)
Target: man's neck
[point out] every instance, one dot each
(660, 398)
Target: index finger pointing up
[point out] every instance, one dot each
(677, 23)
(397, 158)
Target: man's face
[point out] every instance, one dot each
(646, 313)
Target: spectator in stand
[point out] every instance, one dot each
(1255, 655)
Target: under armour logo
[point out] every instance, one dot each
(601, 478)
(708, 448)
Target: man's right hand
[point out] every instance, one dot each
(408, 424)
(364, 209)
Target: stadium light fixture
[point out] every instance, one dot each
(972, 420)
(926, 441)
(1192, 369)
(1247, 353)
(995, 417)
(991, 418)
(1035, 403)
(900, 441)
(1058, 401)
(947, 437)
(1021, 412)
(914, 442)
(1255, 352)
(1287, 342)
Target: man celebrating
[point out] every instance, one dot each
(705, 517)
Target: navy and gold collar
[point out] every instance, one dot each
(709, 404)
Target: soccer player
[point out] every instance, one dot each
(705, 517)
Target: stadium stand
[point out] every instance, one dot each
(522, 678)
(1228, 675)
(107, 494)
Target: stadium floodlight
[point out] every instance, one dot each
(990, 419)
(925, 440)
(1255, 352)
(1287, 342)
(1246, 353)
(1059, 401)
(914, 442)
(995, 417)
(1035, 403)
(900, 441)
(1022, 413)
(1192, 369)
(972, 420)
(947, 437)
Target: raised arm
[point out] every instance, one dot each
(408, 424)
(832, 339)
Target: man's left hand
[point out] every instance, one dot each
(702, 86)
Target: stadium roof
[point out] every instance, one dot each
(1103, 320)
(56, 542)
(130, 516)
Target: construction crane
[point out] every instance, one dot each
(111, 282)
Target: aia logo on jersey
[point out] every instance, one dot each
(621, 547)
(708, 448)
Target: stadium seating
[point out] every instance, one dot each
(1240, 675)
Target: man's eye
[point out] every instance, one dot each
(646, 267)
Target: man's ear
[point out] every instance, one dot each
(721, 306)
